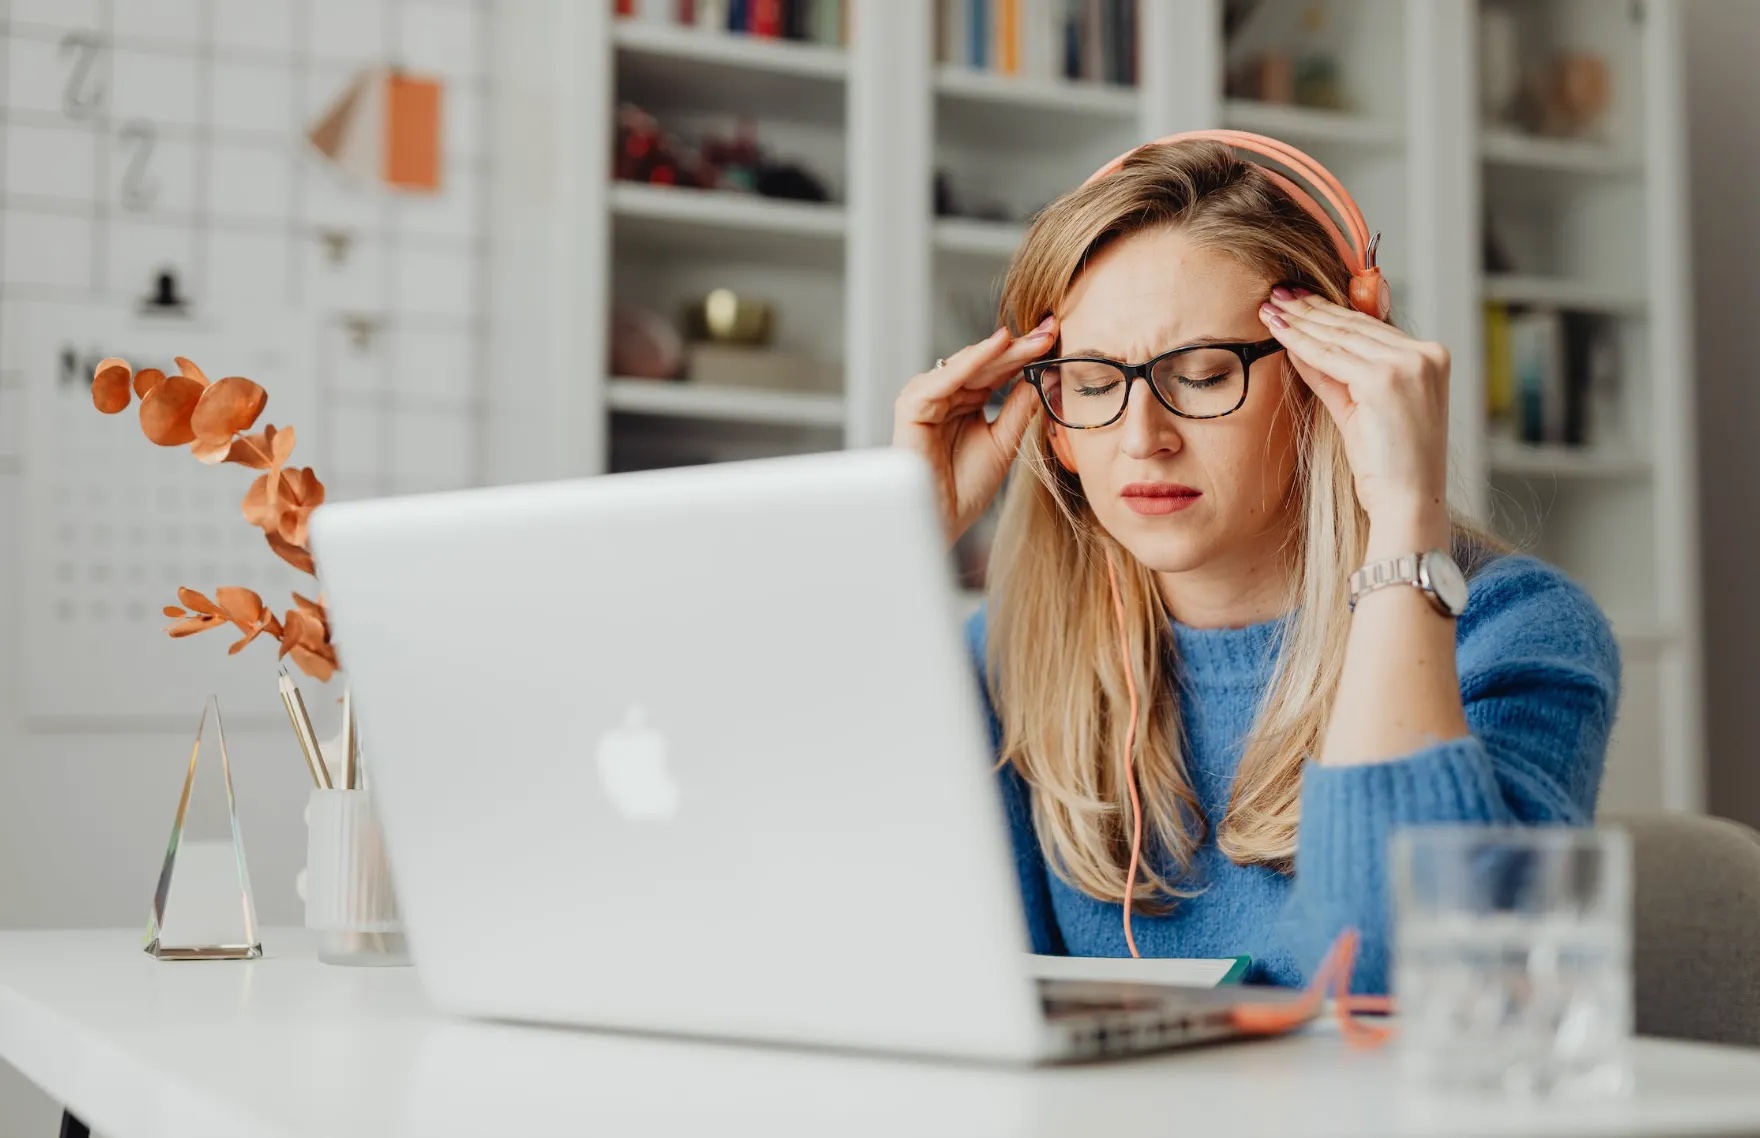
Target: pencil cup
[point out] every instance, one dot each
(349, 899)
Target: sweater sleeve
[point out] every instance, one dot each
(1035, 883)
(1540, 674)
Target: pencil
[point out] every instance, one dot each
(351, 772)
(302, 730)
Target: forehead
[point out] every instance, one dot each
(1157, 289)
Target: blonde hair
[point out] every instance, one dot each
(1053, 659)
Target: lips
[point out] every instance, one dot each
(1155, 498)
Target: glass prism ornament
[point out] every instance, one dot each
(202, 907)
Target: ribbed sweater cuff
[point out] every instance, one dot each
(1348, 812)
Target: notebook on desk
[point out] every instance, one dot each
(1184, 973)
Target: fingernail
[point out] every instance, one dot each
(1282, 293)
(1044, 325)
(1300, 291)
(1273, 319)
(1000, 333)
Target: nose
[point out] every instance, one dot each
(1148, 429)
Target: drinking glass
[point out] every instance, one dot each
(1512, 966)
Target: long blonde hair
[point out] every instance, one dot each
(1054, 665)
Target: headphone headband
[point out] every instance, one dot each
(1355, 244)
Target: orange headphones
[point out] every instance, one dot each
(1368, 294)
(1355, 244)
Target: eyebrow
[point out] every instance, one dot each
(1200, 342)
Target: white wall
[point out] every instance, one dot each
(235, 201)
(1723, 92)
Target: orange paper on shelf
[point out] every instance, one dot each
(385, 127)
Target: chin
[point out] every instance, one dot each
(1164, 544)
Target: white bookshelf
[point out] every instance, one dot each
(1598, 226)
(1058, 96)
(718, 225)
(880, 285)
(1552, 460)
(1616, 297)
(1305, 127)
(724, 59)
(1501, 146)
(993, 240)
(726, 404)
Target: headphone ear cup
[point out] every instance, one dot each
(1060, 447)
(1370, 294)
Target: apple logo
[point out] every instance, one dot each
(632, 767)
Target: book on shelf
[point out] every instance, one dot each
(1086, 40)
(807, 21)
(746, 367)
(1551, 376)
(1536, 348)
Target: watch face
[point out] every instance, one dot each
(1446, 581)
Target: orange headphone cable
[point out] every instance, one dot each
(1334, 974)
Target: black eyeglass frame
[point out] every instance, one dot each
(1248, 353)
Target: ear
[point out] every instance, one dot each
(1060, 447)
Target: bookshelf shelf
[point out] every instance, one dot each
(1305, 126)
(1059, 96)
(717, 224)
(993, 240)
(1564, 293)
(1509, 148)
(717, 54)
(1644, 632)
(1558, 461)
(729, 404)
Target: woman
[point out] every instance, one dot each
(1204, 525)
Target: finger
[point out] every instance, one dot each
(950, 374)
(1337, 362)
(1349, 336)
(1333, 395)
(1011, 423)
(979, 367)
(1007, 364)
(1318, 310)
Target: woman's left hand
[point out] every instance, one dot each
(1387, 392)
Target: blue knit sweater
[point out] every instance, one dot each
(1539, 673)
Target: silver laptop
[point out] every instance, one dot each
(699, 751)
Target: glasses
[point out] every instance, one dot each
(1204, 382)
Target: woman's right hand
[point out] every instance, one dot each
(940, 415)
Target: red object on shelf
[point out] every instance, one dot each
(766, 18)
(626, 7)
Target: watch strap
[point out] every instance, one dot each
(1401, 570)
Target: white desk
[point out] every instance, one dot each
(286, 1046)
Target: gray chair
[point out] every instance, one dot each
(1696, 927)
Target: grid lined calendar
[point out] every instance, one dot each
(115, 524)
(158, 194)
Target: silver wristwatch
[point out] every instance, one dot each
(1434, 573)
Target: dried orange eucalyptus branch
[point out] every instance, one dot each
(211, 418)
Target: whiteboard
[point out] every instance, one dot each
(114, 524)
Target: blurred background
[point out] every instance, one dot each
(461, 242)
